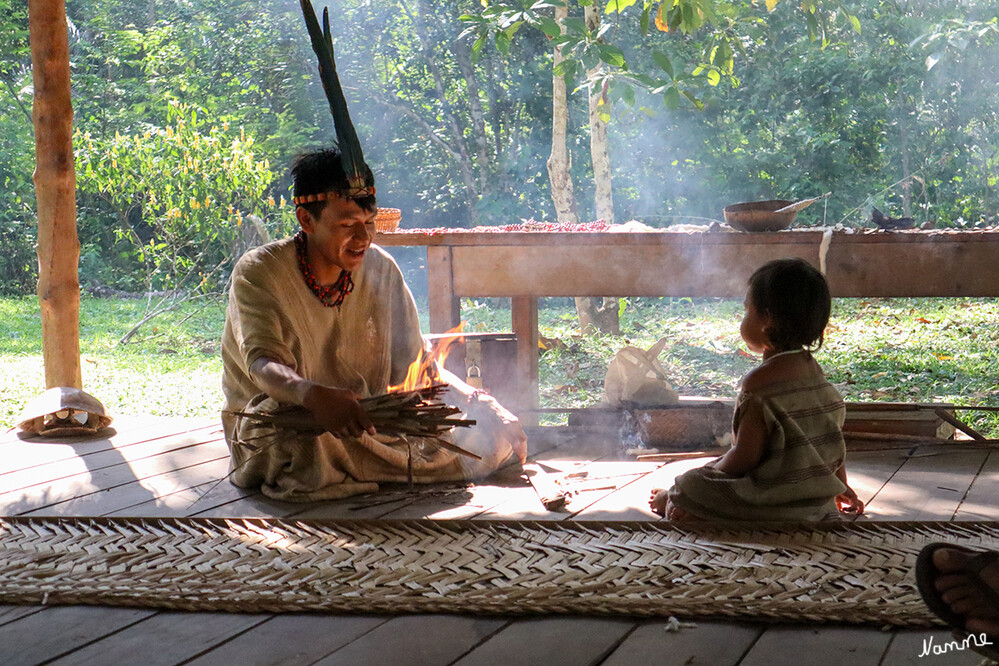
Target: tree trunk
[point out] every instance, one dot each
(463, 55)
(596, 314)
(495, 115)
(559, 175)
(55, 188)
(599, 105)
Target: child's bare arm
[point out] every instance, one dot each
(848, 501)
(750, 442)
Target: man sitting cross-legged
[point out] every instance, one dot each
(321, 320)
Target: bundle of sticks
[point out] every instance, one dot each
(416, 413)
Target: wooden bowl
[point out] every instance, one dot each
(387, 219)
(759, 215)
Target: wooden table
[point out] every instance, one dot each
(527, 265)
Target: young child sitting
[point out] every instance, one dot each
(787, 458)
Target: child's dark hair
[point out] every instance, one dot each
(322, 171)
(795, 297)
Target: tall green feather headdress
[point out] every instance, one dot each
(359, 176)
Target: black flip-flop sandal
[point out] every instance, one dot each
(926, 575)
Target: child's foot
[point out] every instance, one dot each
(658, 501)
(976, 601)
(660, 504)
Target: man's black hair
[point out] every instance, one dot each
(795, 297)
(322, 171)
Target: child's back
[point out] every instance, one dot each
(786, 462)
(800, 416)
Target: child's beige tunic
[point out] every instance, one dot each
(365, 346)
(796, 478)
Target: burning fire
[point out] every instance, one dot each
(424, 371)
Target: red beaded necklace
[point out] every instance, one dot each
(332, 296)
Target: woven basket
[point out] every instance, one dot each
(387, 219)
(689, 426)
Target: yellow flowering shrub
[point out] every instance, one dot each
(195, 181)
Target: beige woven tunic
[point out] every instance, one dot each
(365, 346)
(796, 478)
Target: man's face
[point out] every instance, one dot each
(339, 239)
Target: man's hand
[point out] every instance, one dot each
(337, 410)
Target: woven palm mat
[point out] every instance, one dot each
(859, 573)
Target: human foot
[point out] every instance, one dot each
(658, 499)
(961, 586)
(964, 594)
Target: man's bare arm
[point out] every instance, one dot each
(336, 409)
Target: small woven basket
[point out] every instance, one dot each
(387, 219)
(685, 426)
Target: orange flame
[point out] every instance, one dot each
(424, 371)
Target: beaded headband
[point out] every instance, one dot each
(352, 193)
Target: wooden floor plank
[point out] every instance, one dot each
(475, 498)
(18, 454)
(427, 640)
(632, 501)
(59, 630)
(608, 479)
(869, 471)
(165, 639)
(929, 486)
(127, 485)
(908, 646)
(706, 643)
(551, 641)
(64, 470)
(982, 500)
(251, 506)
(290, 640)
(187, 501)
(49, 484)
(523, 503)
(437, 500)
(440, 502)
(817, 646)
(9, 613)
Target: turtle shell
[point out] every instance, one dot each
(63, 411)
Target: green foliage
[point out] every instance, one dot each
(192, 183)
(18, 265)
(732, 103)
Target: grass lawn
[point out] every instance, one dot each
(914, 350)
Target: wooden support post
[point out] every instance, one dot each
(55, 188)
(524, 315)
(445, 309)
